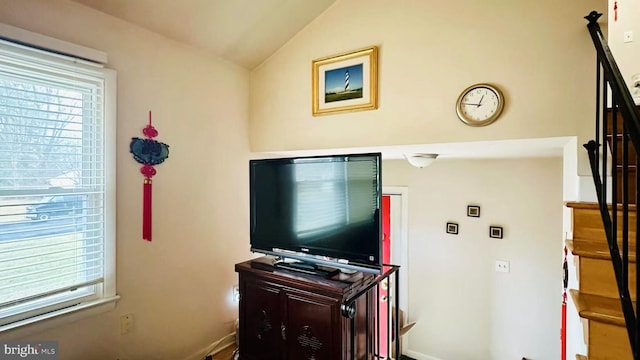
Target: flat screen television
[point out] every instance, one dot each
(321, 210)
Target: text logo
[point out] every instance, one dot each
(32, 350)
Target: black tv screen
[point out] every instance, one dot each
(322, 209)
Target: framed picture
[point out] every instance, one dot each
(345, 82)
(452, 228)
(495, 232)
(473, 211)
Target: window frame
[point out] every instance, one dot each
(105, 296)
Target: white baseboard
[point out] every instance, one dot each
(215, 347)
(419, 356)
(223, 345)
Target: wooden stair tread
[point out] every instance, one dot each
(619, 139)
(598, 299)
(598, 308)
(591, 249)
(593, 205)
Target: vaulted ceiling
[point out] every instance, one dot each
(245, 32)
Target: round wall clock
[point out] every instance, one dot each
(480, 104)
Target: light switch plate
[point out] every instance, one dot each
(502, 266)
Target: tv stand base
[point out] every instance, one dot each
(307, 268)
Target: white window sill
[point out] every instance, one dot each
(58, 318)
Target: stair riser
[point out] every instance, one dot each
(631, 153)
(608, 342)
(598, 236)
(618, 150)
(596, 277)
(619, 120)
(587, 225)
(631, 178)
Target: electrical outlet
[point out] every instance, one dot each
(502, 266)
(126, 323)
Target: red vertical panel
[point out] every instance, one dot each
(386, 258)
(386, 229)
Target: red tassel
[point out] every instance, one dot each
(146, 210)
(563, 331)
(563, 326)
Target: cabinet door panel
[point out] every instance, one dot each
(260, 337)
(312, 332)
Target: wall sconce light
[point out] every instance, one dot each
(420, 160)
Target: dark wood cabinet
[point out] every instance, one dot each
(265, 311)
(286, 315)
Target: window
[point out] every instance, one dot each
(57, 184)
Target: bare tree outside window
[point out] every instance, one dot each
(40, 133)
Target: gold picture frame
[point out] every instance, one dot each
(345, 82)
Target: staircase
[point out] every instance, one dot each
(604, 234)
(597, 300)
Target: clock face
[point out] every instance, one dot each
(479, 105)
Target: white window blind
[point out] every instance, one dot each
(320, 192)
(332, 195)
(362, 191)
(56, 174)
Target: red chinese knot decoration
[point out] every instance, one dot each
(149, 153)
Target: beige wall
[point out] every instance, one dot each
(626, 54)
(464, 309)
(539, 52)
(178, 286)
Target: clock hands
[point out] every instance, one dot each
(476, 105)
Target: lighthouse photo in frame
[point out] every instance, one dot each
(345, 82)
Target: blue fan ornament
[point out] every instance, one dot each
(148, 152)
